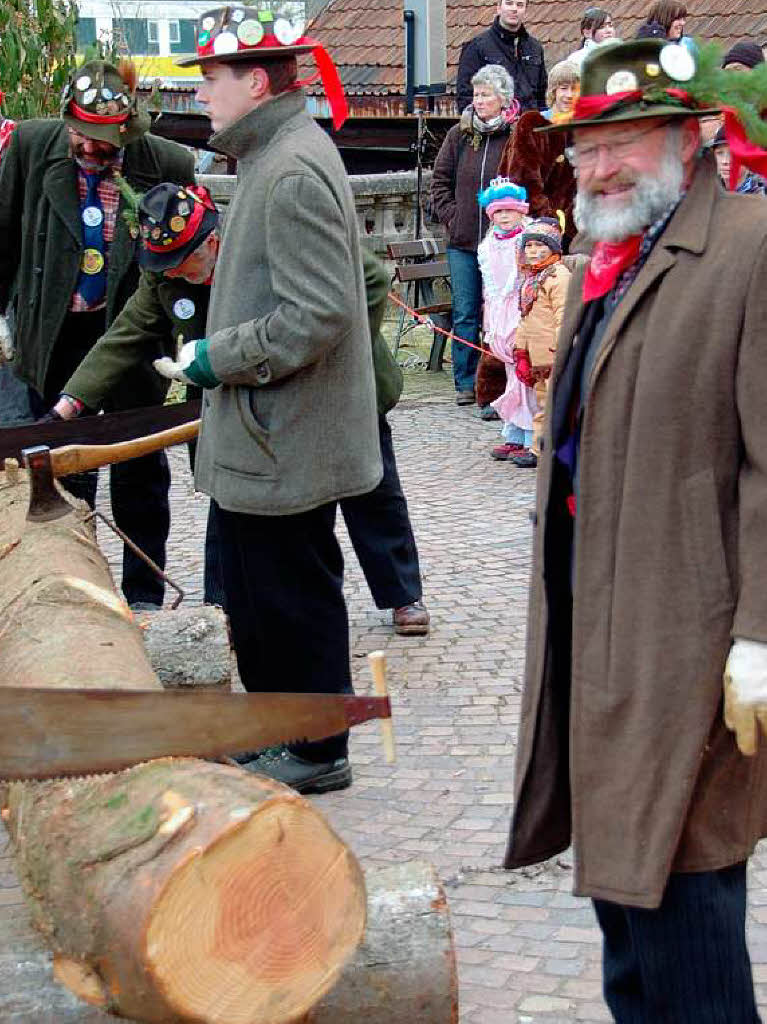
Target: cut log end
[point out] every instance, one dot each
(258, 926)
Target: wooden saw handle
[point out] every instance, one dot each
(377, 661)
(78, 458)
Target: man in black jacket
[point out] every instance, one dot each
(506, 42)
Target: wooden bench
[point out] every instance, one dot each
(417, 265)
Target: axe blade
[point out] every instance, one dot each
(45, 500)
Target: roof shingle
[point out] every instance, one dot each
(367, 40)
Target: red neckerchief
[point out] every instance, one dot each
(608, 262)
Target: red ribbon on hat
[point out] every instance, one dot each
(593, 106)
(86, 115)
(331, 81)
(186, 235)
(743, 152)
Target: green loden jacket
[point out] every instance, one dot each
(163, 313)
(41, 244)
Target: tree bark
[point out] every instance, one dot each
(178, 890)
(189, 647)
(405, 970)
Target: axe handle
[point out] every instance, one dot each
(78, 458)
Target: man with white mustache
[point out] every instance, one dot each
(646, 675)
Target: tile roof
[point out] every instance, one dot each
(367, 39)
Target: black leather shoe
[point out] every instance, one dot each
(303, 776)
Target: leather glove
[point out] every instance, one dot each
(523, 367)
(6, 341)
(745, 692)
(191, 367)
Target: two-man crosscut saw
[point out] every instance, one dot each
(45, 733)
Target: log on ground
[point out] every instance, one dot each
(405, 970)
(178, 890)
(189, 647)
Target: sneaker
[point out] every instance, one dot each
(303, 776)
(525, 460)
(411, 619)
(144, 606)
(465, 398)
(487, 413)
(505, 451)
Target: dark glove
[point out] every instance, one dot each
(523, 367)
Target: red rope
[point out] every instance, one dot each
(422, 318)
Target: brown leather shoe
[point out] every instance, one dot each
(411, 619)
(465, 398)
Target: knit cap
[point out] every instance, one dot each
(503, 194)
(744, 52)
(546, 230)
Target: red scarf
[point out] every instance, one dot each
(608, 262)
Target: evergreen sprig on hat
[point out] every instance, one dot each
(744, 91)
(132, 201)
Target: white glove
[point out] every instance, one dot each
(745, 692)
(6, 341)
(173, 369)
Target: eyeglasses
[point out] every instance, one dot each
(586, 156)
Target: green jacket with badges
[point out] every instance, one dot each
(164, 312)
(41, 244)
(160, 314)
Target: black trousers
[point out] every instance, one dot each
(138, 489)
(283, 584)
(381, 534)
(687, 961)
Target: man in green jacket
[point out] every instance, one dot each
(170, 306)
(67, 268)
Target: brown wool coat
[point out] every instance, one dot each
(537, 161)
(670, 564)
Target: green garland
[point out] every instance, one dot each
(132, 200)
(713, 86)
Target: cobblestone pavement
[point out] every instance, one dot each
(528, 951)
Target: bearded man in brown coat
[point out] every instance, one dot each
(649, 583)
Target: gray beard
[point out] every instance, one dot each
(653, 196)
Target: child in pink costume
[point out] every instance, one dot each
(506, 205)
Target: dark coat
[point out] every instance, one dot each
(461, 170)
(622, 749)
(519, 52)
(41, 242)
(162, 313)
(536, 160)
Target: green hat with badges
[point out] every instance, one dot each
(173, 221)
(656, 78)
(637, 79)
(99, 102)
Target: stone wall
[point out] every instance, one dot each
(385, 204)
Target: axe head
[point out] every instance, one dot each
(45, 500)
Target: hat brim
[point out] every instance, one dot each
(254, 55)
(634, 113)
(161, 261)
(136, 126)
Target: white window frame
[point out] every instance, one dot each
(174, 31)
(153, 32)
